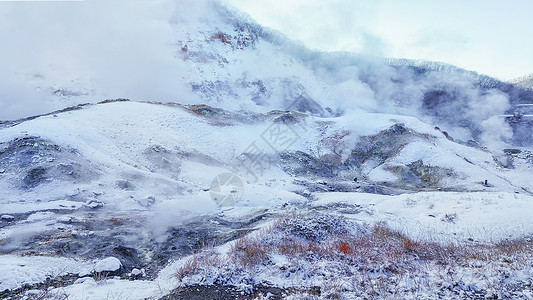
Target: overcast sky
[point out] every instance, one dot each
(493, 37)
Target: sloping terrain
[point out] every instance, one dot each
(525, 81)
(220, 57)
(272, 170)
(146, 182)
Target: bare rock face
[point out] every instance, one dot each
(380, 147)
(302, 164)
(35, 161)
(419, 175)
(34, 177)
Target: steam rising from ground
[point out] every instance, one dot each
(94, 50)
(457, 104)
(485, 111)
(97, 48)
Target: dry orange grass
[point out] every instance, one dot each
(374, 260)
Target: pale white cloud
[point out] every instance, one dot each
(123, 47)
(112, 48)
(320, 24)
(487, 36)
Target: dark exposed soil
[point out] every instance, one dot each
(228, 292)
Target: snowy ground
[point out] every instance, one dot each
(133, 200)
(470, 268)
(111, 173)
(444, 216)
(460, 218)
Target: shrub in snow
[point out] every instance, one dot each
(314, 226)
(343, 259)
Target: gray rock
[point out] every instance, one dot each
(381, 146)
(110, 264)
(93, 204)
(136, 272)
(34, 177)
(7, 218)
(147, 201)
(302, 164)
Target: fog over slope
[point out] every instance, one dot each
(206, 52)
(233, 127)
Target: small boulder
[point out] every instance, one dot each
(147, 201)
(85, 280)
(136, 273)
(64, 219)
(7, 218)
(110, 266)
(93, 204)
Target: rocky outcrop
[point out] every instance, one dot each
(380, 147)
(40, 161)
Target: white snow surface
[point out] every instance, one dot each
(481, 216)
(445, 216)
(115, 137)
(109, 264)
(16, 271)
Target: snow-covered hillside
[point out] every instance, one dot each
(247, 138)
(524, 81)
(120, 178)
(208, 53)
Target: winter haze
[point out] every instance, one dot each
(206, 149)
(484, 36)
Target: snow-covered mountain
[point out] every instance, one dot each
(220, 57)
(524, 81)
(256, 127)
